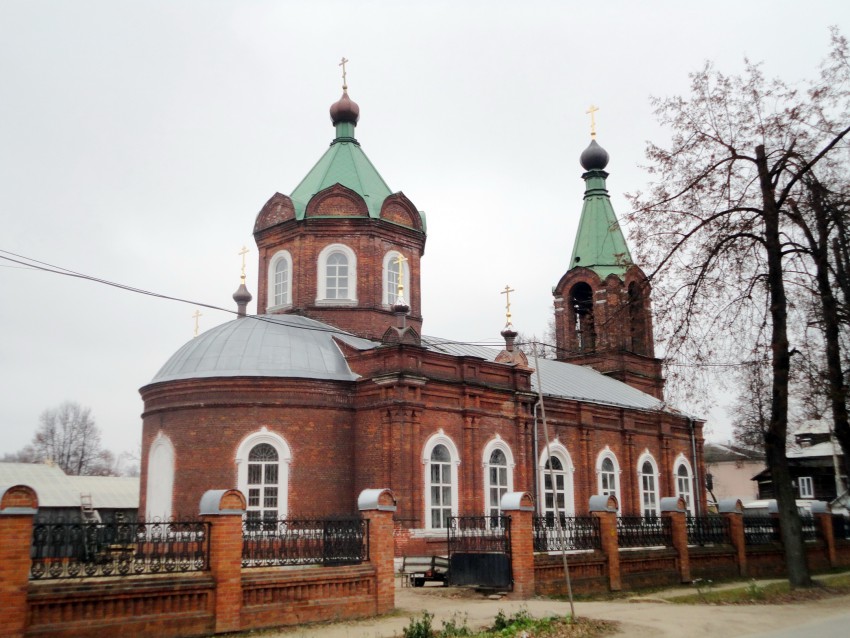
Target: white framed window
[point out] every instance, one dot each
(683, 479)
(262, 475)
(160, 479)
(648, 481)
(805, 483)
(556, 480)
(390, 278)
(337, 275)
(280, 280)
(608, 474)
(440, 458)
(498, 475)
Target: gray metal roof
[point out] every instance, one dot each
(264, 346)
(56, 489)
(565, 380)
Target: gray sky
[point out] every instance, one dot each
(138, 140)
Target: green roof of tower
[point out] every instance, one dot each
(343, 163)
(600, 244)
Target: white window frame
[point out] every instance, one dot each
(439, 438)
(560, 452)
(496, 444)
(284, 455)
(600, 459)
(321, 291)
(281, 255)
(644, 458)
(803, 481)
(159, 496)
(682, 461)
(388, 297)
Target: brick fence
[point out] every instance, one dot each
(224, 598)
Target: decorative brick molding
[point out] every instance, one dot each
(18, 504)
(520, 507)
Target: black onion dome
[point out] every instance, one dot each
(345, 110)
(594, 157)
(242, 295)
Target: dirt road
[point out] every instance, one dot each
(638, 618)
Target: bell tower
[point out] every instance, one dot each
(603, 314)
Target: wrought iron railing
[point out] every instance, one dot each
(708, 530)
(479, 533)
(340, 541)
(79, 550)
(809, 528)
(761, 530)
(575, 533)
(644, 531)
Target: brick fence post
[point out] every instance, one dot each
(823, 521)
(605, 509)
(520, 507)
(732, 510)
(674, 508)
(224, 509)
(378, 506)
(18, 505)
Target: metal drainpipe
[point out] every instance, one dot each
(697, 482)
(534, 460)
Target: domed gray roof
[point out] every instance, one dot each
(264, 346)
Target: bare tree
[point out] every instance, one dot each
(716, 226)
(751, 410)
(68, 436)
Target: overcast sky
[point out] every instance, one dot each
(138, 141)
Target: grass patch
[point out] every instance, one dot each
(520, 624)
(754, 593)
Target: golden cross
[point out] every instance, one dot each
(342, 64)
(400, 261)
(197, 316)
(507, 292)
(592, 112)
(243, 252)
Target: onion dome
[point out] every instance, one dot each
(594, 157)
(345, 110)
(242, 297)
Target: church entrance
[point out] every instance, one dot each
(480, 551)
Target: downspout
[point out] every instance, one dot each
(536, 458)
(697, 482)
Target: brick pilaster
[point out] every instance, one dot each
(520, 507)
(224, 509)
(823, 520)
(378, 507)
(18, 505)
(605, 509)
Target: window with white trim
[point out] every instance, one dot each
(648, 478)
(337, 276)
(807, 487)
(440, 458)
(280, 280)
(262, 461)
(160, 479)
(498, 475)
(684, 484)
(556, 479)
(608, 474)
(390, 279)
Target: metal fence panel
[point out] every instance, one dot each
(342, 541)
(575, 533)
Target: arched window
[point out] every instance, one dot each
(390, 280)
(337, 277)
(280, 280)
(498, 475)
(160, 479)
(684, 482)
(556, 479)
(648, 480)
(581, 305)
(608, 474)
(441, 458)
(262, 472)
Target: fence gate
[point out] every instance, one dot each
(480, 551)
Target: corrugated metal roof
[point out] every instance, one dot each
(56, 489)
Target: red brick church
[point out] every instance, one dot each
(333, 388)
